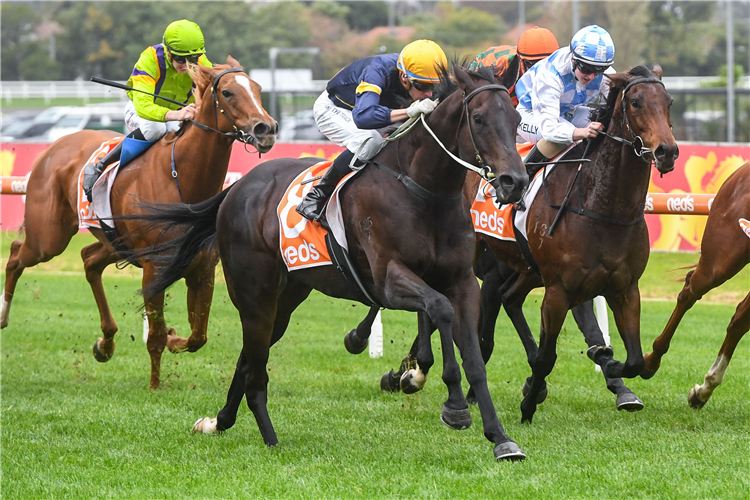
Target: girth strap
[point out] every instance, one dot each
(415, 188)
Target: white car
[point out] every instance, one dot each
(95, 117)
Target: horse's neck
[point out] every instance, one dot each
(428, 164)
(616, 180)
(201, 160)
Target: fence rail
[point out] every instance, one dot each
(79, 89)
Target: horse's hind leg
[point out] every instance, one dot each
(738, 327)
(600, 353)
(200, 291)
(356, 340)
(96, 257)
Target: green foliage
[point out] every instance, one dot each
(459, 27)
(334, 10)
(365, 15)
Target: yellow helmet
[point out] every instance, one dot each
(420, 60)
(184, 38)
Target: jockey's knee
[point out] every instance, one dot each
(153, 131)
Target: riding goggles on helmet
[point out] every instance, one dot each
(588, 69)
(192, 58)
(422, 86)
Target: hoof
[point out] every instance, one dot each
(390, 382)
(206, 425)
(541, 397)
(99, 355)
(354, 344)
(597, 351)
(457, 420)
(694, 400)
(509, 451)
(412, 381)
(629, 402)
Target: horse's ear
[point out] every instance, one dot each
(657, 71)
(232, 62)
(462, 77)
(508, 77)
(617, 80)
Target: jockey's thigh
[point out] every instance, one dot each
(337, 124)
(151, 131)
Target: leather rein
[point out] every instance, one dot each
(484, 170)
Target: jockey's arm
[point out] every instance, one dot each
(368, 113)
(546, 105)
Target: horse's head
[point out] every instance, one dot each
(229, 91)
(644, 105)
(487, 136)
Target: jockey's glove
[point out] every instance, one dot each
(423, 107)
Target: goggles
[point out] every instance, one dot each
(192, 58)
(422, 86)
(588, 69)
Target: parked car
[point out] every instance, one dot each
(300, 126)
(96, 117)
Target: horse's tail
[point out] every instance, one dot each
(173, 256)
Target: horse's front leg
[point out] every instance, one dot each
(626, 309)
(96, 257)
(554, 309)
(601, 353)
(200, 291)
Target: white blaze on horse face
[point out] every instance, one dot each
(244, 82)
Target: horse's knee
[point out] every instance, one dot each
(633, 367)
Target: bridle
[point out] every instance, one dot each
(237, 134)
(637, 142)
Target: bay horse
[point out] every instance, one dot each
(229, 108)
(725, 251)
(408, 231)
(601, 248)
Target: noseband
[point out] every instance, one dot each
(237, 134)
(637, 143)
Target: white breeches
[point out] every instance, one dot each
(338, 125)
(151, 131)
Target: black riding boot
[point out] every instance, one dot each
(534, 156)
(89, 179)
(312, 206)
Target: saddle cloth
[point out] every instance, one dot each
(496, 220)
(88, 214)
(302, 241)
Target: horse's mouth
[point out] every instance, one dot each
(664, 167)
(265, 145)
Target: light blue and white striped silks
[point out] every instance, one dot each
(593, 45)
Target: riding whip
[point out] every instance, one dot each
(128, 88)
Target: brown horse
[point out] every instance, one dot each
(601, 248)
(199, 153)
(409, 234)
(725, 251)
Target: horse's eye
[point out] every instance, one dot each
(226, 93)
(478, 119)
(634, 103)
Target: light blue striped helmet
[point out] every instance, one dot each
(592, 45)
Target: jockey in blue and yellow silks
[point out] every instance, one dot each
(163, 70)
(368, 95)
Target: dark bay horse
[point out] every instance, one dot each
(725, 251)
(229, 105)
(600, 249)
(413, 246)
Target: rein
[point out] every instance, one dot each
(410, 184)
(638, 149)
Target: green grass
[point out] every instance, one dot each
(75, 428)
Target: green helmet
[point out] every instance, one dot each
(184, 38)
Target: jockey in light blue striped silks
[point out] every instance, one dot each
(552, 93)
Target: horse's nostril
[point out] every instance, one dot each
(261, 130)
(660, 152)
(507, 183)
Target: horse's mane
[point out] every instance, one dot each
(447, 85)
(603, 114)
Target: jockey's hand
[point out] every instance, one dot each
(425, 106)
(186, 113)
(588, 132)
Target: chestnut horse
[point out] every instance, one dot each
(725, 251)
(408, 231)
(199, 153)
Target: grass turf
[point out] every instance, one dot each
(75, 428)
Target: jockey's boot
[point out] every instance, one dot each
(534, 156)
(89, 179)
(312, 206)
